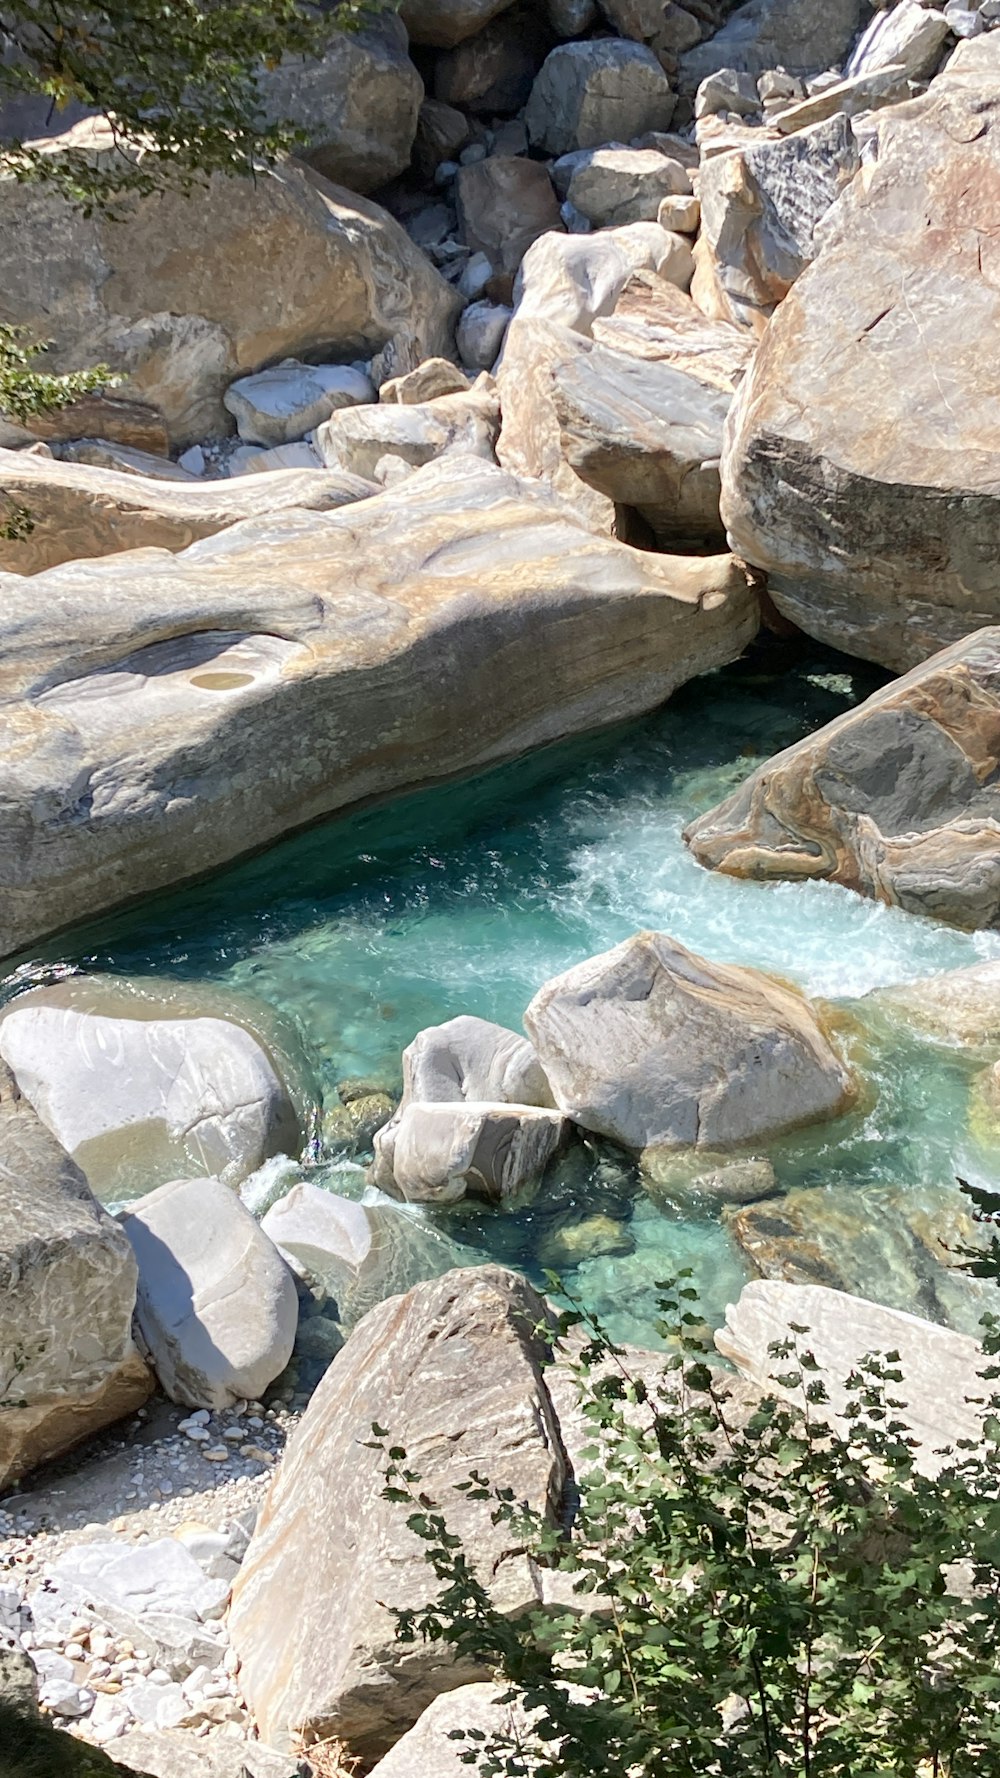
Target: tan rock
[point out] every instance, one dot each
(171, 293)
(861, 468)
(572, 279)
(77, 511)
(681, 214)
(654, 320)
(615, 186)
(103, 453)
(68, 1365)
(896, 799)
(452, 1371)
(649, 1044)
(248, 672)
(108, 417)
(504, 203)
(354, 441)
(434, 1747)
(960, 1007)
(433, 378)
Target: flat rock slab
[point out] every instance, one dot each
(160, 715)
(896, 799)
(861, 468)
(155, 1594)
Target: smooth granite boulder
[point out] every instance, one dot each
(217, 1306)
(861, 465)
(354, 441)
(436, 1154)
(78, 511)
(134, 1096)
(452, 1371)
(284, 402)
(181, 292)
(161, 714)
(470, 1058)
(68, 1364)
(650, 1044)
(896, 799)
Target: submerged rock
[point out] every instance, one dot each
(697, 1179)
(453, 1372)
(649, 1044)
(896, 799)
(958, 1007)
(200, 704)
(861, 464)
(78, 510)
(68, 1365)
(216, 1307)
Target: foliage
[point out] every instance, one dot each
(761, 1587)
(177, 77)
(983, 1262)
(26, 392)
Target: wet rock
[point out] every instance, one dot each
(895, 799)
(68, 1365)
(649, 1044)
(216, 1305)
(353, 441)
(939, 1369)
(134, 1094)
(696, 1180)
(310, 1226)
(959, 1007)
(453, 1372)
(761, 208)
(356, 105)
(356, 1124)
(78, 511)
(873, 505)
(569, 1243)
(588, 94)
(614, 186)
(171, 294)
(436, 1154)
(292, 636)
(290, 399)
(504, 204)
(798, 36)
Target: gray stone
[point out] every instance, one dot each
(940, 1369)
(859, 470)
(761, 208)
(650, 1044)
(68, 1365)
(283, 403)
(798, 36)
(470, 1058)
(436, 1154)
(354, 440)
(178, 1753)
(154, 1594)
(591, 93)
(139, 767)
(356, 105)
(492, 73)
(172, 293)
(78, 511)
(896, 799)
(504, 204)
(217, 1306)
(613, 186)
(693, 1180)
(573, 279)
(481, 333)
(442, 133)
(103, 453)
(443, 23)
(310, 1226)
(452, 1370)
(666, 28)
(571, 18)
(727, 89)
(654, 321)
(907, 35)
(127, 1092)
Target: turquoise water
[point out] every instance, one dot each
(467, 897)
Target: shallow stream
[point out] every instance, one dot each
(467, 897)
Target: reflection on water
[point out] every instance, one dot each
(467, 897)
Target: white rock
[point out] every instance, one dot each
(289, 399)
(480, 334)
(158, 1706)
(908, 33)
(193, 460)
(573, 279)
(439, 1153)
(475, 277)
(249, 460)
(309, 1224)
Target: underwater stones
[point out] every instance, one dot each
(896, 799)
(940, 1369)
(162, 714)
(959, 1007)
(860, 469)
(649, 1044)
(127, 1092)
(68, 1365)
(170, 292)
(78, 510)
(453, 1371)
(355, 1124)
(570, 1243)
(216, 1306)
(436, 1153)
(699, 1179)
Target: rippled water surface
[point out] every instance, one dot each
(467, 897)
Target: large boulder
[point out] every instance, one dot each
(897, 799)
(614, 186)
(798, 36)
(453, 1372)
(134, 1096)
(761, 207)
(470, 1058)
(68, 1365)
(356, 106)
(493, 71)
(588, 94)
(354, 441)
(199, 704)
(172, 292)
(650, 1044)
(504, 204)
(284, 402)
(217, 1306)
(908, 35)
(573, 279)
(860, 470)
(652, 319)
(449, 1729)
(437, 1154)
(940, 1369)
(443, 23)
(78, 511)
